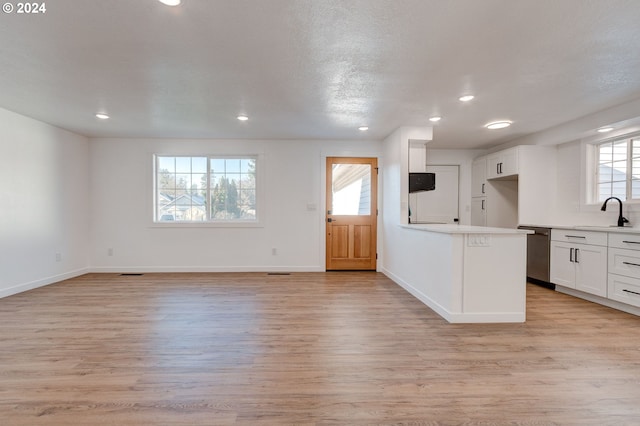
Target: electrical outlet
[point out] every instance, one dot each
(58, 257)
(274, 251)
(479, 240)
(109, 251)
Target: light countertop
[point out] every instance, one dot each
(451, 228)
(596, 228)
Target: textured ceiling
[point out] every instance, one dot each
(311, 69)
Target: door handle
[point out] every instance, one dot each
(571, 254)
(483, 188)
(575, 256)
(482, 204)
(331, 220)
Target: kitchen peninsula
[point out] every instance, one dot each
(467, 274)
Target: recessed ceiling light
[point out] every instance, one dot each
(243, 118)
(498, 125)
(605, 129)
(170, 2)
(466, 98)
(363, 128)
(102, 116)
(435, 118)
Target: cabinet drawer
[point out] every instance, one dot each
(624, 262)
(624, 289)
(579, 237)
(626, 241)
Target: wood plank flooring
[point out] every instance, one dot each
(307, 348)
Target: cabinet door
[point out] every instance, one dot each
(502, 163)
(508, 162)
(479, 211)
(493, 165)
(479, 177)
(591, 269)
(562, 269)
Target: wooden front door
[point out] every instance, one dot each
(352, 210)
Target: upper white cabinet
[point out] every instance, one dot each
(519, 184)
(479, 177)
(503, 164)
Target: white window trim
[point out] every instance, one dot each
(260, 191)
(588, 154)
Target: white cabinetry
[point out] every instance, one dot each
(579, 260)
(479, 211)
(514, 182)
(479, 192)
(624, 268)
(479, 177)
(503, 163)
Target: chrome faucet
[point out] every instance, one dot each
(621, 220)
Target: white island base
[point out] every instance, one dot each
(467, 274)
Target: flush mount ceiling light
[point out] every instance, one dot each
(363, 128)
(466, 98)
(435, 118)
(243, 118)
(170, 2)
(605, 129)
(498, 125)
(102, 116)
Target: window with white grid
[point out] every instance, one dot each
(205, 189)
(618, 169)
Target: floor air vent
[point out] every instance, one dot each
(278, 273)
(131, 275)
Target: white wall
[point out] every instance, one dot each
(421, 155)
(121, 208)
(462, 158)
(44, 207)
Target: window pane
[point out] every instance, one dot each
(183, 164)
(199, 181)
(183, 181)
(605, 152)
(217, 165)
(248, 166)
(619, 189)
(167, 164)
(605, 172)
(233, 165)
(619, 171)
(199, 165)
(620, 151)
(351, 187)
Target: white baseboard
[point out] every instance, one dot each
(42, 282)
(160, 269)
(600, 300)
(435, 306)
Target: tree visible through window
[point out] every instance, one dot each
(201, 189)
(618, 169)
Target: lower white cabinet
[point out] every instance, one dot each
(579, 266)
(624, 268)
(624, 289)
(479, 211)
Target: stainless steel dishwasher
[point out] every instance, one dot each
(538, 249)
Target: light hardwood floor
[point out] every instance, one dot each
(307, 348)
